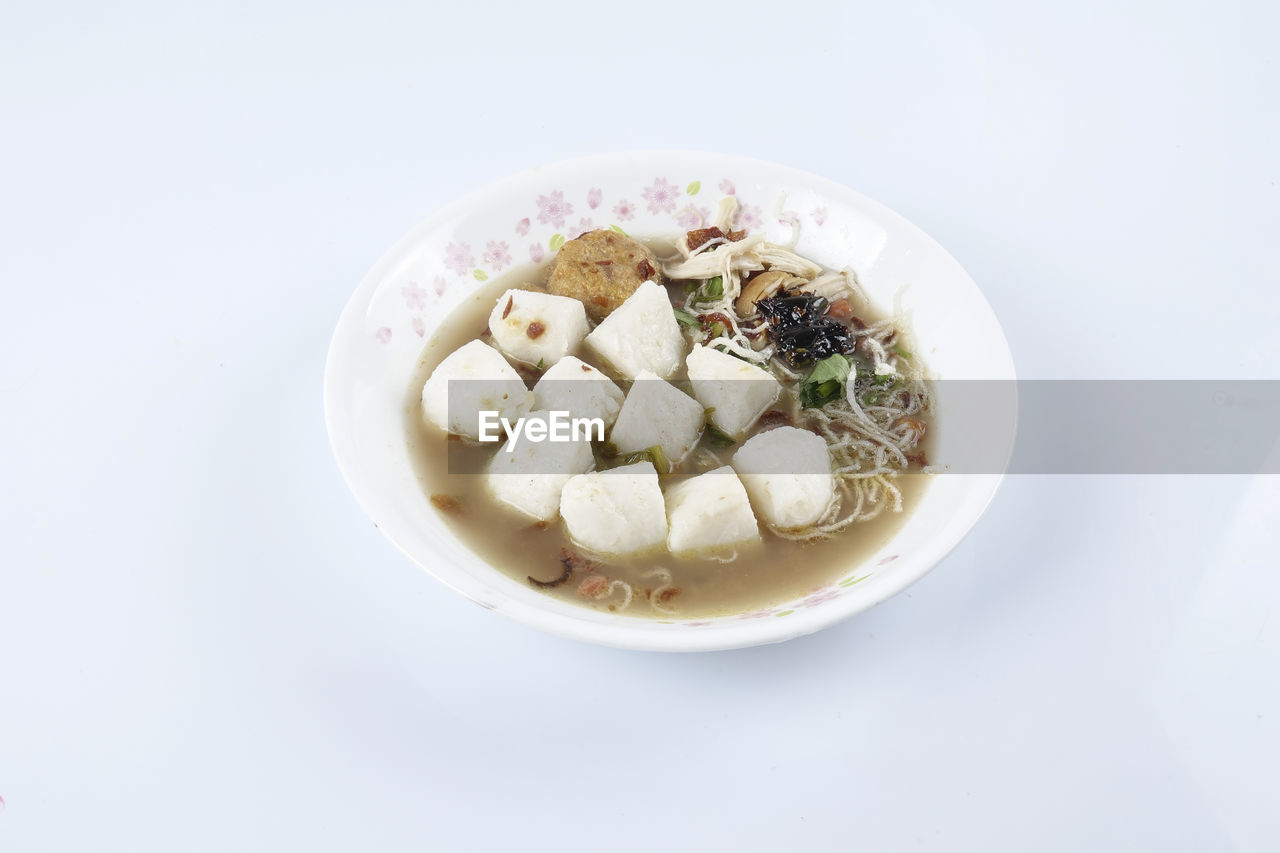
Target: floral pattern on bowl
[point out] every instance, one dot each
(478, 258)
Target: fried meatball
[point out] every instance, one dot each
(602, 268)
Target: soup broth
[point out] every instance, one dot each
(756, 577)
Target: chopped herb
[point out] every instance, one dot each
(875, 389)
(652, 454)
(541, 362)
(900, 351)
(867, 374)
(660, 460)
(709, 292)
(825, 382)
(686, 318)
(717, 437)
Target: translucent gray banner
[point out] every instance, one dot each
(1144, 427)
(970, 426)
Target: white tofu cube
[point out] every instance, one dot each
(709, 512)
(536, 327)
(530, 476)
(473, 378)
(641, 334)
(658, 413)
(615, 512)
(571, 385)
(734, 392)
(787, 473)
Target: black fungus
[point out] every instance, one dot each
(785, 308)
(799, 327)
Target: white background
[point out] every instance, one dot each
(205, 646)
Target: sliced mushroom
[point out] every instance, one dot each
(762, 286)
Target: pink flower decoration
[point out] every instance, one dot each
(415, 298)
(419, 327)
(748, 218)
(438, 285)
(759, 614)
(497, 254)
(819, 215)
(383, 335)
(553, 208)
(458, 257)
(888, 559)
(575, 231)
(623, 211)
(593, 197)
(692, 217)
(820, 597)
(661, 196)
(696, 624)
(726, 187)
(522, 227)
(536, 253)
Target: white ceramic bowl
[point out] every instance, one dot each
(399, 304)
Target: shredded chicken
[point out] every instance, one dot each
(726, 212)
(781, 258)
(836, 285)
(731, 261)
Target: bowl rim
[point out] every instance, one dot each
(644, 634)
